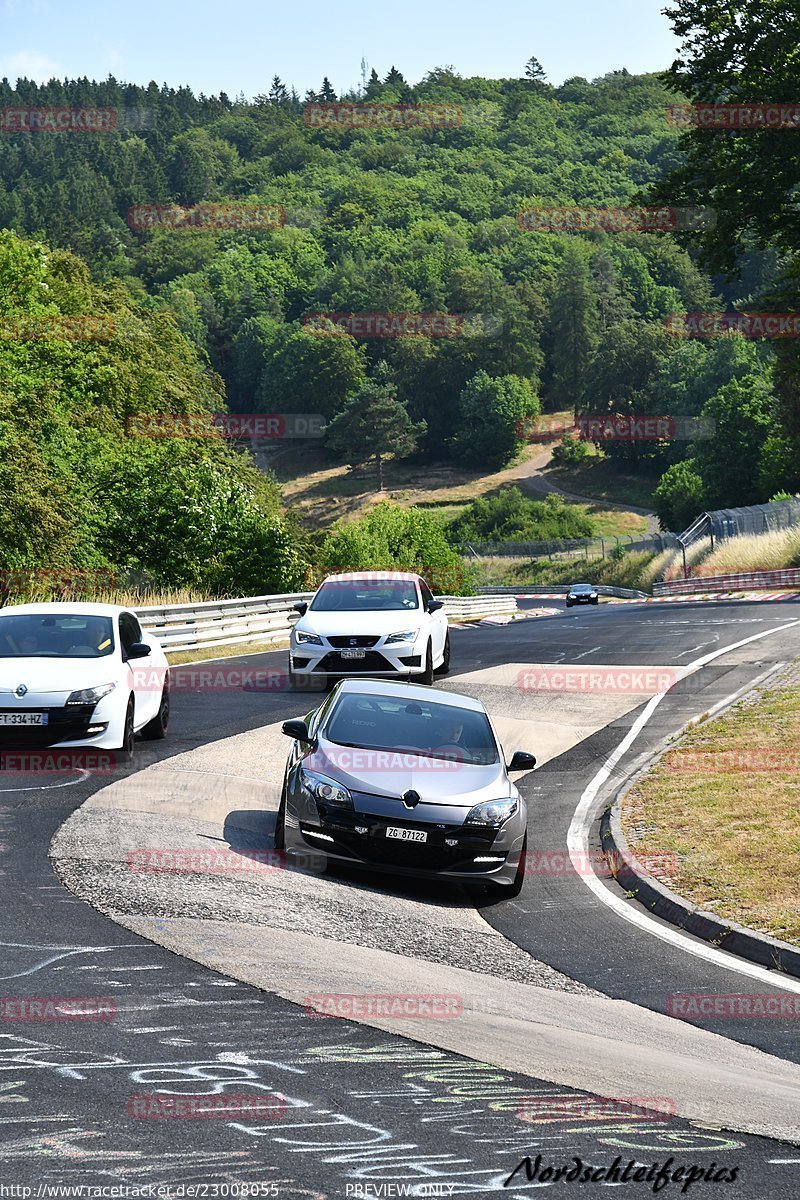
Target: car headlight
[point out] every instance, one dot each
(91, 695)
(407, 635)
(491, 813)
(306, 639)
(325, 789)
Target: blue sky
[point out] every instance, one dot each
(238, 45)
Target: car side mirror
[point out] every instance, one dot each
(301, 607)
(434, 605)
(522, 761)
(137, 650)
(297, 730)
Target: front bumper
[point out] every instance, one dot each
(581, 600)
(358, 839)
(65, 725)
(401, 658)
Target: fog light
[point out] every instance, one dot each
(312, 833)
(489, 858)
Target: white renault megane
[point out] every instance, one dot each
(75, 674)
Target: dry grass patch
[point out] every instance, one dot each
(725, 802)
(759, 552)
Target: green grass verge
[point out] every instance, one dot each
(724, 803)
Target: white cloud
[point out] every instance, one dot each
(31, 65)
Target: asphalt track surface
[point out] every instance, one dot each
(361, 1112)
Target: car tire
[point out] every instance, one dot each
(426, 676)
(125, 752)
(280, 822)
(569, 604)
(596, 600)
(519, 879)
(445, 667)
(157, 729)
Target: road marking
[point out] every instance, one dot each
(578, 842)
(577, 656)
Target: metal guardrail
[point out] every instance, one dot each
(267, 619)
(742, 581)
(558, 589)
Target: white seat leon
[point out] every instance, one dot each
(79, 674)
(382, 623)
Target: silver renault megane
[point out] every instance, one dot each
(397, 778)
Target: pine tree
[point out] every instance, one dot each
(326, 93)
(374, 86)
(573, 328)
(278, 93)
(534, 72)
(394, 78)
(374, 425)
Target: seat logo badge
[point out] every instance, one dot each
(411, 799)
(21, 691)
(353, 642)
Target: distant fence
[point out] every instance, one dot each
(721, 523)
(586, 548)
(742, 581)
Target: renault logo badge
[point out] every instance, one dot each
(21, 691)
(411, 799)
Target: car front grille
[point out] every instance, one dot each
(374, 848)
(355, 640)
(64, 724)
(333, 663)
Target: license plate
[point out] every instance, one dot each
(406, 835)
(26, 718)
(353, 653)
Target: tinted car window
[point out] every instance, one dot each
(129, 631)
(47, 636)
(427, 595)
(435, 730)
(369, 595)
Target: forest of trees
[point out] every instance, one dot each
(381, 220)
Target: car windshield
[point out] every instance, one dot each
(366, 595)
(32, 635)
(582, 587)
(413, 726)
